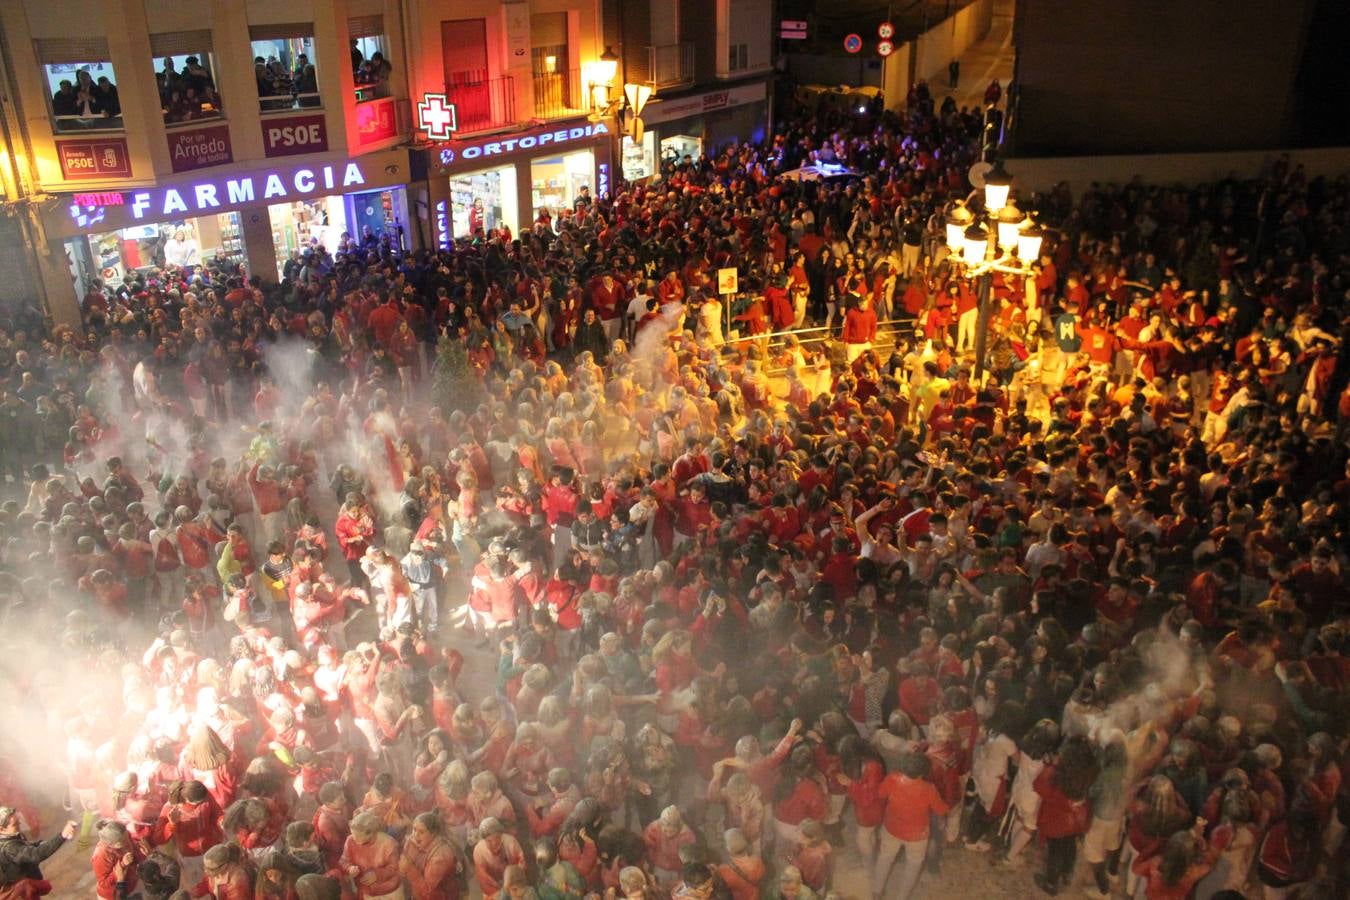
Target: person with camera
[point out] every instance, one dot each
(21, 859)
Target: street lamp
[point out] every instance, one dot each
(997, 184)
(999, 239)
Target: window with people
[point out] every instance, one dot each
(370, 58)
(284, 67)
(83, 96)
(187, 87)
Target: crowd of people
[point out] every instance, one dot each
(189, 94)
(86, 99)
(499, 570)
(280, 87)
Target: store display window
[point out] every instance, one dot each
(305, 224)
(676, 147)
(639, 157)
(556, 183)
(484, 200)
(115, 257)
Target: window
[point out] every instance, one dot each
(81, 86)
(738, 57)
(556, 84)
(370, 57)
(284, 66)
(185, 70)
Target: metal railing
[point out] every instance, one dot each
(88, 123)
(888, 331)
(280, 102)
(481, 103)
(559, 94)
(670, 65)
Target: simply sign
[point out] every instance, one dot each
(206, 196)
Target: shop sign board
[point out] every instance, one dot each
(500, 145)
(602, 180)
(667, 110)
(375, 121)
(437, 116)
(222, 191)
(293, 135)
(94, 159)
(208, 196)
(727, 281)
(200, 148)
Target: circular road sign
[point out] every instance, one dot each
(885, 31)
(853, 43)
(885, 48)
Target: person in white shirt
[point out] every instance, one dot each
(1047, 550)
(880, 547)
(637, 308)
(182, 250)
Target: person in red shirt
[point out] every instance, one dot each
(114, 861)
(910, 800)
(1063, 814)
(860, 328)
(226, 877)
(191, 819)
(671, 288)
(607, 297)
(743, 871)
(370, 858)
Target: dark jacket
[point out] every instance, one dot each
(21, 858)
(592, 337)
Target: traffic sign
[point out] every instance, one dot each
(853, 43)
(885, 31)
(885, 48)
(792, 29)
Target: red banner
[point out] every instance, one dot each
(200, 148)
(375, 121)
(293, 135)
(94, 159)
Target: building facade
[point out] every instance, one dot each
(710, 65)
(145, 132)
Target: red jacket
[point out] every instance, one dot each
(266, 494)
(352, 537)
(108, 873)
(807, 801)
(1059, 816)
(380, 857)
(868, 805)
(860, 325)
(193, 828)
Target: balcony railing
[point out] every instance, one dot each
(560, 94)
(481, 103)
(670, 65)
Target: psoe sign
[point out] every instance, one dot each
(206, 196)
